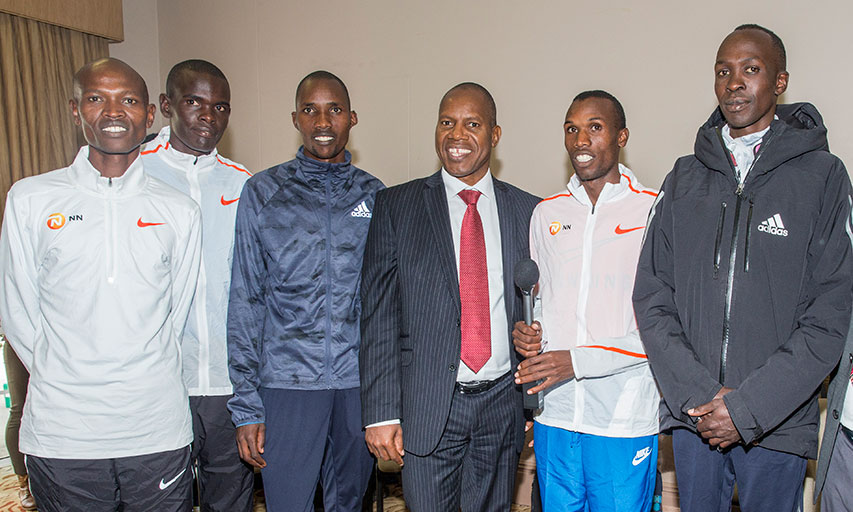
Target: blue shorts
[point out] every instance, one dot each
(583, 472)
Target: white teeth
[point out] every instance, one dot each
(458, 152)
(115, 129)
(583, 158)
(323, 138)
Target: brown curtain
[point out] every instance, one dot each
(37, 64)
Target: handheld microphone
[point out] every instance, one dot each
(526, 275)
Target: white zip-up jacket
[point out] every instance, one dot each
(215, 184)
(97, 279)
(587, 258)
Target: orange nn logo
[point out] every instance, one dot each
(55, 220)
(148, 224)
(226, 202)
(555, 228)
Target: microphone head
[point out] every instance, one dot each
(526, 274)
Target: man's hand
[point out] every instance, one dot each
(250, 443)
(715, 424)
(385, 442)
(527, 338)
(527, 426)
(554, 367)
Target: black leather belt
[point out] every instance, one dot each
(478, 386)
(847, 432)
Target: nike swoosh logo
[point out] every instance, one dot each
(620, 231)
(164, 485)
(641, 456)
(148, 224)
(226, 202)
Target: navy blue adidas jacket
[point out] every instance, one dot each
(749, 286)
(294, 310)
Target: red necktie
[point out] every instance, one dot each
(474, 287)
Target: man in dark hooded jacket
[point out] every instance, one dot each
(743, 290)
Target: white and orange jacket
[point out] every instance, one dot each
(587, 259)
(215, 184)
(97, 279)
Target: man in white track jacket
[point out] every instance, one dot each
(596, 431)
(98, 263)
(197, 105)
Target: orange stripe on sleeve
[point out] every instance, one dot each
(554, 197)
(649, 192)
(158, 148)
(232, 166)
(617, 350)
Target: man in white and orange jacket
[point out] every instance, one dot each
(98, 264)
(197, 103)
(596, 430)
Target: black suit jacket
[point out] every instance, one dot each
(411, 338)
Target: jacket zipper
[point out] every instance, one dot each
(724, 351)
(194, 186)
(328, 278)
(110, 232)
(583, 301)
(746, 241)
(719, 238)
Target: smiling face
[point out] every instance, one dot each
(465, 134)
(198, 112)
(111, 105)
(748, 80)
(594, 140)
(324, 119)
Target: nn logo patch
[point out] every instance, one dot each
(57, 220)
(555, 227)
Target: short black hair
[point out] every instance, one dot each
(321, 75)
(604, 95)
(472, 86)
(192, 65)
(778, 45)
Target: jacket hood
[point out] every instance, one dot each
(799, 129)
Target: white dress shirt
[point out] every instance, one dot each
(499, 363)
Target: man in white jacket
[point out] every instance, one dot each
(98, 263)
(596, 431)
(197, 103)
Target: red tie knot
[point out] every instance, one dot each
(470, 196)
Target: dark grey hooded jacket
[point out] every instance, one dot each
(750, 287)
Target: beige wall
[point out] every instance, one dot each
(141, 47)
(399, 56)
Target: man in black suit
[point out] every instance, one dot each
(438, 304)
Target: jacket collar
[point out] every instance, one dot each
(611, 191)
(162, 146)
(84, 175)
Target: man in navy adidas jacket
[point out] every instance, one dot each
(743, 291)
(294, 311)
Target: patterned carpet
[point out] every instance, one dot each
(8, 491)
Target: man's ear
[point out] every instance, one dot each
(151, 111)
(622, 138)
(165, 106)
(781, 83)
(75, 111)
